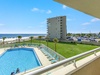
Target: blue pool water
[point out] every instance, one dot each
(22, 58)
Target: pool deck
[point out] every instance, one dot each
(2, 50)
(42, 57)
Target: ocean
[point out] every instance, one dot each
(23, 35)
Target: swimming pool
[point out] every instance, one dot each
(22, 58)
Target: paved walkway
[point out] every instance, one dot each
(42, 57)
(2, 50)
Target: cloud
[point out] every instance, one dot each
(1, 24)
(64, 6)
(91, 21)
(87, 23)
(49, 12)
(41, 10)
(35, 9)
(95, 20)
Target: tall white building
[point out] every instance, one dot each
(56, 27)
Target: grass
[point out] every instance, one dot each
(67, 49)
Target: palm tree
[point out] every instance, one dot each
(3, 39)
(55, 40)
(39, 37)
(19, 38)
(31, 38)
(47, 39)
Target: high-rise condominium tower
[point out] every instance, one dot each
(56, 27)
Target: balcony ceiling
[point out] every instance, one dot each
(91, 7)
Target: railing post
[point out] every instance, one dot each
(95, 53)
(74, 62)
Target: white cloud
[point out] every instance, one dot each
(41, 10)
(87, 23)
(1, 24)
(49, 12)
(64, 6)
(95, 20)
(35, 9)
(91, 21)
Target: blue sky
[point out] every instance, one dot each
(29, 16)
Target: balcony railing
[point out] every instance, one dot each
(55, 65)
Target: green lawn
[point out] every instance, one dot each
(68, 49)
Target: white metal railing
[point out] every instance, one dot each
(52, 66)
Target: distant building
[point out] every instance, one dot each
(56, 27)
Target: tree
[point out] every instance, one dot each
(78, 34)
(3, 38)
(69, 34)
(82, 34)
(99, 33)
(55, 40)
(19, 38)
(89, 35)
(31, 38)
(39, 37)
(47, 39)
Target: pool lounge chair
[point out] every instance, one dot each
(29, 45)
(50, 57)
(55, 60)
(23, 45)
(16, 45)
(45, 53)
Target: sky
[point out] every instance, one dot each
(30, 16)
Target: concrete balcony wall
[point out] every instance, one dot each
(89, 65)
(91, 69)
